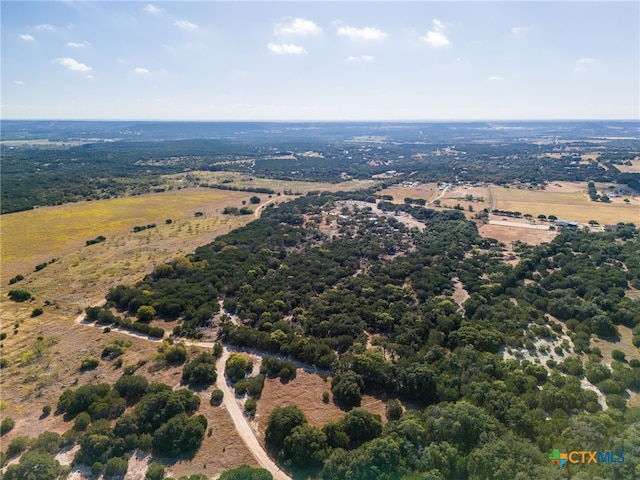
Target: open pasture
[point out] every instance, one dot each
(425, 191)
(35, 236)
(566, 202)
(242, 180)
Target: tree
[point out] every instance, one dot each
(35, 465)
(7, 425)
(361, 426)
(305, 447)
(155, 471)
(216, 397)
(237, 366)
(145, 313)
(245, 472)
(394, 410)
(19, 295)
(255, 200)
(347, 389)
(281, 423)
(201, 370)
(116, 467)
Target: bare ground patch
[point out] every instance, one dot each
(305, 391)
(510, 234)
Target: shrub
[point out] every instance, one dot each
(325, 397)
(7, 425)
(250, 407)
(16, 279)
(46, 410)
(19, 295)
(96, 469)
(82, 422)
(616, 401)
(116, 467)
(89, 363)
(17, 446)
(216, 397)
(618, 355)
(36, 312)
(394, 409)
(237, 366)
(155, 471)
(201, 370)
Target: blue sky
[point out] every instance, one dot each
(304, 60)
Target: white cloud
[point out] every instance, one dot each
(366, 33)
(73, 64)
(297, 26)
(495, 78)
(18, 82)
(518, 31)
(141, 70)
(360, 58)
(185, 24)
(436, 38)
(45, 26)
(153, 9)
(78, 44)
(286, 49)
(27, 38)
(582, 64)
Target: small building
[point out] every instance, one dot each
(566, 223)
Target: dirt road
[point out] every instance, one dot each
(229, 401)
(242, 425)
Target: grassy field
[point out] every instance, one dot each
(241, 180)
(44, 353)
(35, 236)
(568, 202)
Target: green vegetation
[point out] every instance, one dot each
(245, 472)
(19, 295)
(7, 425)
(200, 371)
(237, 366)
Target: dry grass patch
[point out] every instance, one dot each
(241, 180)
(570, 205)
(509, 234)
(36, 236)
(425, 191)
(633, 168)
(305, 391)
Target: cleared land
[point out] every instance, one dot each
(568, 201)
(241, 180)
(633, 168)
(508, 234)
(39, 370)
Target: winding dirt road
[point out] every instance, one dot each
(242, 425)
(229, 401)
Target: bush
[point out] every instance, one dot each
(116, 467)
(89, 363)
(7, 425)
(96, 469)
(394, 410)
(36, 312)
(237, 366)
(250, 407)
(616, 401)
(618, 355)
(46, 410)
(216, 397)
(155, 471)
(201, 370)
(18, 445)
(16, 279)
(83, 420)
(245, 472)
(19, 295)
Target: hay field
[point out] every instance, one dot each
(565, 203)
(426, 191)
(35, 236)
(242, 180)
(633, 168)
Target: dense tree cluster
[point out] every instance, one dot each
(372, 303)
